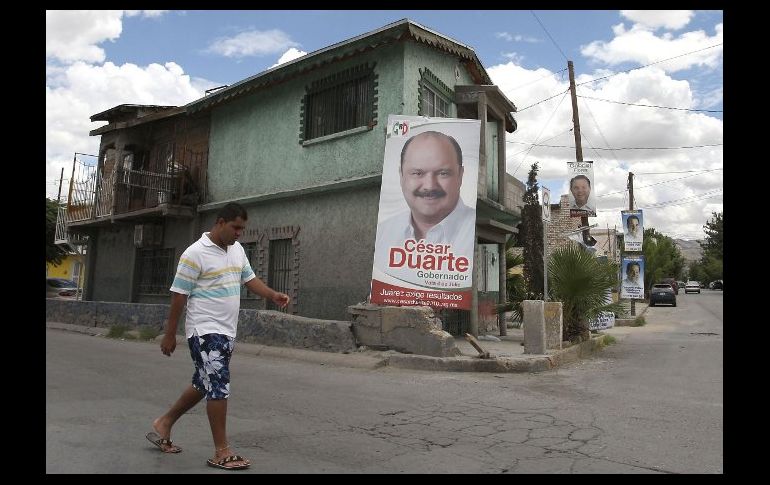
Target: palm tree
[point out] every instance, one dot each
(515, 286)
(581, 282)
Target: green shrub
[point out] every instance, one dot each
(609, 340)
(148, 333)
(118, 331)
(639, 321)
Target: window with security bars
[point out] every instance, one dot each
(339, 103)
(433, 103)
(156, 268)
(279, 269)
(251, 254)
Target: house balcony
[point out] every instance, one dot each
(129, 196)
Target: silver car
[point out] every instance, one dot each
(61, 289)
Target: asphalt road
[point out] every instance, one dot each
(650, 403)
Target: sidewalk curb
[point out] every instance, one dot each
(533, 363)
(530, 363)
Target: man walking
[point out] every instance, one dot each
(208, 280)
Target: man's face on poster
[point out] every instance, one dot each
(431, 176)
(632, 271)
(633, 225)
(580, 189)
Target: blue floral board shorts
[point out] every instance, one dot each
(211, 355)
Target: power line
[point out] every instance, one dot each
(555, 136)
(681, 171)
(650, 105)
(543, 101)
(658, 205)
(590, 112)
(541, 132)
(659, 183)
(650, 64)
(549, 35)
(621, 148)
(536, 80)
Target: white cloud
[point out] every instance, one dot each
(252, 43)
(513, 57)
(145, 13)
(644, 47)
(515, 38)
(289, 55)
(73, 35)
(654, 19)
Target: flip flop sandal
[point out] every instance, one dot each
(221, 463)
(162, 443)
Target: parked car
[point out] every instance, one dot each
(692, 287)
(60, 288)
(662, 293)
(718, 285)
(673, 283)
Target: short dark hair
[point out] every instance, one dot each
(231, 211)
(437, 134)
(633, 263)
(576, 177)
(631, 217)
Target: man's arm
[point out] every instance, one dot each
(255, 285)
(168, 344)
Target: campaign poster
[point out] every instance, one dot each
(582, 197)
(426, 224)
(632, 271)
(633, 230)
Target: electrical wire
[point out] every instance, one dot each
(649, 105)
(648, 65)
(539, 134)
(549, 35)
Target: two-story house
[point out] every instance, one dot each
(301, 147)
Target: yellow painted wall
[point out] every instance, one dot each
(65, 268)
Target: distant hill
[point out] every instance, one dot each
(691, 250)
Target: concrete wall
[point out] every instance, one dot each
(254, 326)
(255, 147)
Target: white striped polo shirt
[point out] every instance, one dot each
(212, 279)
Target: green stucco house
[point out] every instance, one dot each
(301, 147)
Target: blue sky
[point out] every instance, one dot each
(99, 59)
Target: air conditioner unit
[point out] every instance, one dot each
(148, 235)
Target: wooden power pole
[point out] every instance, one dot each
(631, 207)
(576, 130)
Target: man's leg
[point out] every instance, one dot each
(189, 398)
(217, 413)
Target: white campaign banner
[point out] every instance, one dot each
(632, 286)
(582, 199)
(633, 230)
(426, 224)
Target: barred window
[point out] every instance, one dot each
(340, 102)
(156, 269)
(251, 254)
(435, 96)
(280, 268)
(433, 104)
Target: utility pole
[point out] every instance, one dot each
(576, 130)
(61, 179)
(631, 207)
